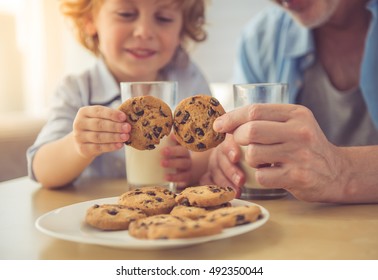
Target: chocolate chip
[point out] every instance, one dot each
(240, 219)
(150, 147)
(201, 146)
(162, 113)
(151, 193)
(148, 136)
(132, 118)
(199, 132)
(211, 112)
(185, 202)
(96, 206)
(157, 131)
(185, 118)
(214, 102)
(145, 123)
(112, 212)
(190, 140)
(139, 112)
(166, 191)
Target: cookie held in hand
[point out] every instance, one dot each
(193, 122)
(150, 119)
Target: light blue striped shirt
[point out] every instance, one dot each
(274, 48)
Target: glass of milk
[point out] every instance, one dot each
(246, 94)
(143, 168)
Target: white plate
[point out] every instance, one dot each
(67, 223)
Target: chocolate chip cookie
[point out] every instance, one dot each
(234, 216)
(190, 212)
(172, 227)
(112, 216)
(151, 200)
(193, 121)
(150, 119)
(194, 212)
(141, 227)
(205, 196)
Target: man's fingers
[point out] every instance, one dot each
(228, 122)
(262, 132)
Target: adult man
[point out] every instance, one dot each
(327, 50)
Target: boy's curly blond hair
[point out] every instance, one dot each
(80, 11)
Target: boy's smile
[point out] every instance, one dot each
(141, 53)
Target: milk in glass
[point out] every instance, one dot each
(144, 168)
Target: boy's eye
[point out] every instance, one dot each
(164, 19)
(127, 15)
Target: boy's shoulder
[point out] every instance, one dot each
(79, 78)
(95, 85)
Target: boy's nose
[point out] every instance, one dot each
(144, 28)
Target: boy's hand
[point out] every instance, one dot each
(178, 158)
(99, 129)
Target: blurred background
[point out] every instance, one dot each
(37, 49)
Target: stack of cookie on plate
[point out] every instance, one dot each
(157, 213)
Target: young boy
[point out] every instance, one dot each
(134, 40)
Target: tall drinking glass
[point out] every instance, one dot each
(246, 94)
(143, 168)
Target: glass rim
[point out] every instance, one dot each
(148, 82)
(251, 85)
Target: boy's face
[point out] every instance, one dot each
(137, 37)
(310, 13)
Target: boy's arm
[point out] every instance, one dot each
(64, 163)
